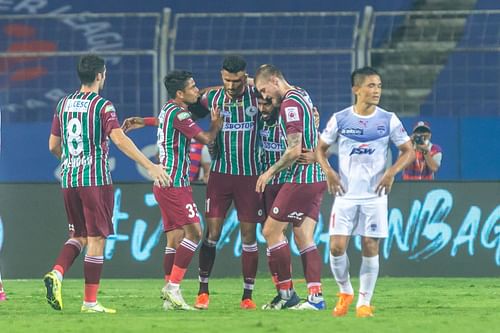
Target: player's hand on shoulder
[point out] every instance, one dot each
(132, 123)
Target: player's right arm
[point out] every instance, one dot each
(332, 177)
(215, 126)
(138, 122)
(326, 139)
(127, 146)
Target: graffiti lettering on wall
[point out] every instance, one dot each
(426, 232)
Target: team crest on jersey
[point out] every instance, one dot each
(183, 116)
(251, 111)
(381, 129)
(276, 210)
(292, 114)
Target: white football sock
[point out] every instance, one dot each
(368, 274)
(340, 270)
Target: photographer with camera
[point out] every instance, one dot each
(427, 155)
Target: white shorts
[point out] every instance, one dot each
(359, 217)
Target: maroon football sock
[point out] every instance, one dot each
(249, 264)
(70, 251)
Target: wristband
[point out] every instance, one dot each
(149, 121)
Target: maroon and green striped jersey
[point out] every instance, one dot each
(272, 145)
(237, 142)
(296, 116)
(84, 121)
(175, 130)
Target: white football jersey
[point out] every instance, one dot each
(363, 143)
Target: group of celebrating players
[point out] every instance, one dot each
(268, 159)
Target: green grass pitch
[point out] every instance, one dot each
(402, 305)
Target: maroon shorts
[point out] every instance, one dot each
(297, 201)
(177, 206)
(270, 193)
(222, 189)
(89, 210)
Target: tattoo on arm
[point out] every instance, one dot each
(294, 143)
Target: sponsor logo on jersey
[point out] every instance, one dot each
(76, 105)
(251, 111)
(183, 115)
(272, 146)
(233, 104)
(351, 131)
(363, 123)
(243, 126)
(296, 216)
(225, 113)
(362, 150)
(109, 108)
(292, 114)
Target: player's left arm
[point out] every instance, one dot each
(406, 156)
(292, 153)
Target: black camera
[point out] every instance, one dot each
(419, 139)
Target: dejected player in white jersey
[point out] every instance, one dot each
(363, 132)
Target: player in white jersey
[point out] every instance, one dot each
(363, 132)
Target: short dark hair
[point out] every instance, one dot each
(88, 67)
(234, 64)
(359, 75)
(175, 81)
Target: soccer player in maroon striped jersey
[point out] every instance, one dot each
(273, 147)
(179, 213)
(180, 218)
(82, 123)
(299, 199)
(233, 176)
